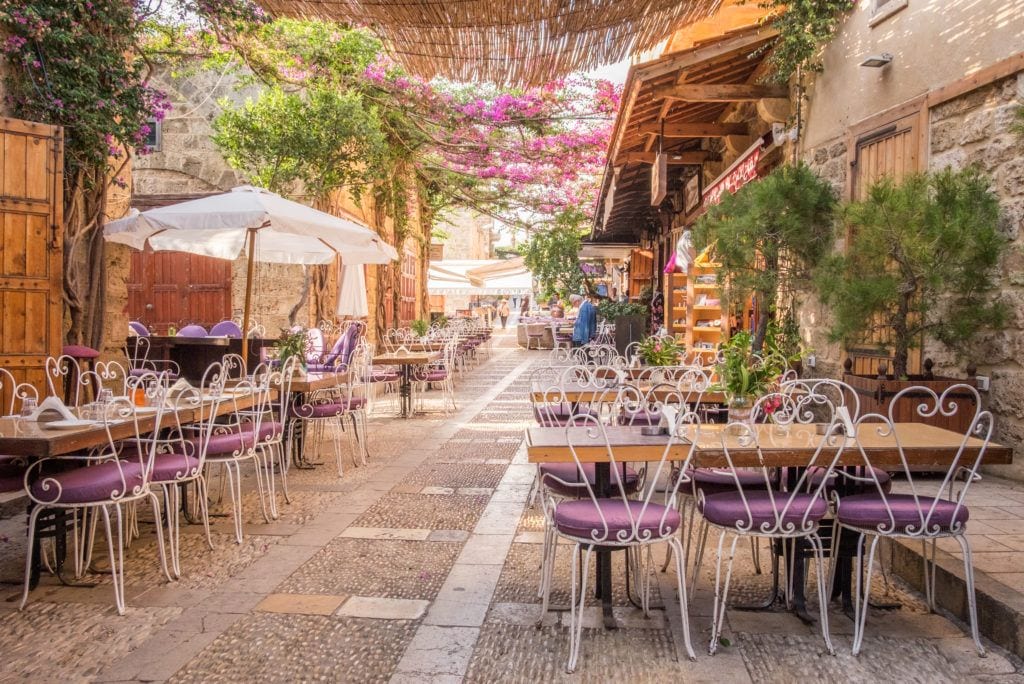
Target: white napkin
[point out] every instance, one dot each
(52, 409)
(668, 417)
(847, 421)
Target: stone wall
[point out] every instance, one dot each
(470, 236)
(189, 162)
(973, 129)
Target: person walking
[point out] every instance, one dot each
(586, 323)
(503, 313)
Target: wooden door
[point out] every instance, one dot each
(175, 288)
(407, 297)
(31, 251)
(890, 150)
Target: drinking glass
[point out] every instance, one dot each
(28, 405)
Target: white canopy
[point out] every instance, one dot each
(287, 232)
(479, 277)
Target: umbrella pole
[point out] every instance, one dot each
(247, 312)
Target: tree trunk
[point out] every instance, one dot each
(901, 337)
(303, 297)
(84, 203)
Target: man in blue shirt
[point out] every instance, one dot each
(586, 323)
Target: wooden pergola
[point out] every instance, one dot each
(516, 42)
(681, 103)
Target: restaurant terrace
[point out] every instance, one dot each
(511, 342)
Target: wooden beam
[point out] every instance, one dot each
(689, 157)
(719, 92)
(715, 50)
(694, 130)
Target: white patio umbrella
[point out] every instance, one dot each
(263, 225)
(352, 292)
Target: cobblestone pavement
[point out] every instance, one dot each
(422, 566)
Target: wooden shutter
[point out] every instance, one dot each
(890, 149)
(31, 251)
(407, 301)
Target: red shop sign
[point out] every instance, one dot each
(739, 174)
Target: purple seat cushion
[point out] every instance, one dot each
(869, 511)
(435, 376)
(727, 509)
(716, 481)
(227, 443)
(581, 518)
(328, 410)
(554, 415)
(322, 368)
(570, 472)
(270, 429)
(171, 467)
(228, 328)
(12, 473)
(89, 483)
(384, 376)
(192, 331)
(79, 351)
(139, 328)
(356, 403)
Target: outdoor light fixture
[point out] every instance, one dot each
(877, 61)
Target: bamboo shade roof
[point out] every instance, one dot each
(511, 42)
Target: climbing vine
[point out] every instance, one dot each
(72, 63)
(804, 26)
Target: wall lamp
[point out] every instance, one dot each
(877, 61)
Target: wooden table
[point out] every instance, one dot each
(588, 393)
(406, 362)
(925, 446)
(28, 438)
(195, 354)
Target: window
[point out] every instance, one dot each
(155, 137)
(883, 9)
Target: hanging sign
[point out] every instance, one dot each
(742, 171)
(659, 179)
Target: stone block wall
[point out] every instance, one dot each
(974, 129)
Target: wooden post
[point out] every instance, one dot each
(247, 311)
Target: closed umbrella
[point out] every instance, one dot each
(261, 224)
(352, 292)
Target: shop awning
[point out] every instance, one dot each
(479, 277)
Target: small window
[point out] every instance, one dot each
(883, 9)
(155, 137)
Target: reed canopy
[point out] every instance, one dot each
(508, 42)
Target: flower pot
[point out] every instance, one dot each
(629, 329)
(741, 409)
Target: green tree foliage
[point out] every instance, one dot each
(921, 261)
(552, 255)
(311, 142)
(769, 236)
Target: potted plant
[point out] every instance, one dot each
(420, 327)
(744, 375)
(769, 236)
(630, 319)
(920, 264)
(293, 342)
(661, 351)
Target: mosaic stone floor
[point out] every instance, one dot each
(422, 566)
